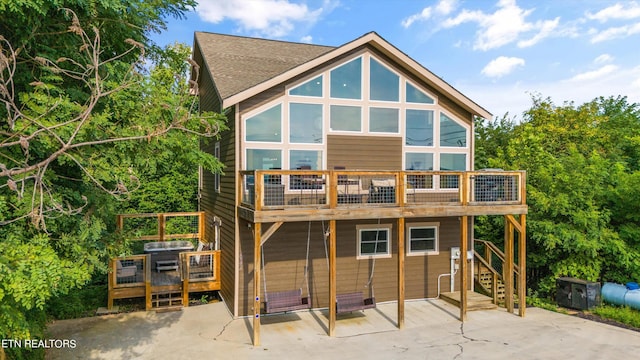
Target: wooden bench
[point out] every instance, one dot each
(353, 302)
(284, 301)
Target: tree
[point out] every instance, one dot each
(76, 139)
(580, 160)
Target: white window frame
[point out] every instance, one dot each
(373, 227)
(423, 225)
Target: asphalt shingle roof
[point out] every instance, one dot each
(239, 63)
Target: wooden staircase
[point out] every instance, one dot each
(484, 284)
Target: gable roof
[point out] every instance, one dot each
(242, 67)
(239, 63)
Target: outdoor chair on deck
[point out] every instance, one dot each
(125, 272)
(383, 191)
(350, 191)
(201, 265)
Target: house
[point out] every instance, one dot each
(348, 170)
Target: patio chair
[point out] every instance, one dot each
(125, 271)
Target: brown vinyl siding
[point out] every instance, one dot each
(364, 152)
(285, 255)
(221, 204)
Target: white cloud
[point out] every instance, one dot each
(616, 12)
(502, 66)
(546, 29)
(275, 18)
(444, 7)
(307, 39)
(425, 14)
(595, 74)
(602, 59)
(515, 98)
(504, 26)
(615, 32)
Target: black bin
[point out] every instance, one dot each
(577, 294)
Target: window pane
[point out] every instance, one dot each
(423, 245)
(456, 162)
(419, 130)
(423, 233)
(310, 88)
(305, 159)
(383, 120)
(346, 118)
(416, 96)
(452, 133)
(265, 126)
(374, 242)
(346, 80)
(305, 123)
(419, 161)
(263, 159)
(384, 83)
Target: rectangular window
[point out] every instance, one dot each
(452, 162)
(419, 129)
(373, 241)
(216, 176)
(264, 159)
(383, 120)
(346, 118)
(422, 239)
(305, 159)
(265, 126)
(305, 123)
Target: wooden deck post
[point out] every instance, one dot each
(332, 277)
(161, 227)
(186, 271)
(464, 238)
(111, 283)
(508, 265)
(401, 256)
(147, 281)
(257, 233)
(522, 264)
(201, 226)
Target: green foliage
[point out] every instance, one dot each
(625, 314)
(44, 263)
(582, 174)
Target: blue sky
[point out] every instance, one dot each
(497, 52)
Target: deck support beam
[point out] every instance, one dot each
(508, 264)
(270, 231)
(332, 277)
(522, 264)
(257, 234)
(464, 268)
(401, 283)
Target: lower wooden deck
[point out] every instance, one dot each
(475, 301)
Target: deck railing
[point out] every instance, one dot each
(162, 226)
(281, 189)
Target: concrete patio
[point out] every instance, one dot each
(431, 331)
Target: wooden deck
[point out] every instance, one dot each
(475, 301)
(306, 195)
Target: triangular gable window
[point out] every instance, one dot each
(312, 87)
(414, 95)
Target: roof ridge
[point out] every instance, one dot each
(264, 39)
